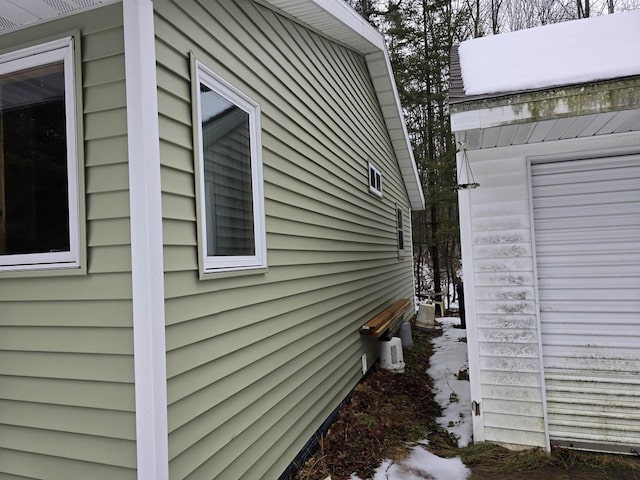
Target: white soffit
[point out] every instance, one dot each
(335, 19)
(15, 14)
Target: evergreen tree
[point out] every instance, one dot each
(420, 35)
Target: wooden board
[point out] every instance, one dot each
(386, 320)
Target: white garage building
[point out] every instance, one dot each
(548, 121)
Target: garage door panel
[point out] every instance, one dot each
(587, 231)
(609, 332)
(591, 295)
(602, 286)
(618, 220)
(586, 181)
(604, 258)
(619, 269)
(593, 310)
(578, 198)
(565, 247)
(580, 231)
(582, 347)
(598, 166)
(571, 319)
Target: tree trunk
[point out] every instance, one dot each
(584, 9)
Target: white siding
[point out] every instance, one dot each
(508, 360)
(502, 289)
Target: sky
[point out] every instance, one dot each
(453, 395)
(577, 51)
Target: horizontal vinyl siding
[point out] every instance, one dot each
(505, 303)
(66, 348)
(256, 362)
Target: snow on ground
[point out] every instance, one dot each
(422, 465)
(448, 360)
(558, 54)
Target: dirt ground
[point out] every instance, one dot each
(388, 412)
(558, 473)
(490, 462)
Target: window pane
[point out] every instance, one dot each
(227, 176)
(34, 199)
(400, 230)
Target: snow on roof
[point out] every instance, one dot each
(578, 51)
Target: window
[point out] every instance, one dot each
(400, 230)
(38, 161)
(375, 180)
(231, 205)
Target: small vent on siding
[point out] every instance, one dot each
(7, 24)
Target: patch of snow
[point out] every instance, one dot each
(448, 361)
(422, 465)
(577, 51)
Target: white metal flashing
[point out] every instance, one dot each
(146, 241)
(500, 115)
(484, 118)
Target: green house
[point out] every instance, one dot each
(201, 202)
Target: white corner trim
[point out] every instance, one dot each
(466, 248)
(146, 241)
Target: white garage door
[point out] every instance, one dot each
(587, 239)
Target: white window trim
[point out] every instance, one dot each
(372, 188)
(211, 264)
(16, 61)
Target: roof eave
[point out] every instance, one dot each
(507, 108)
